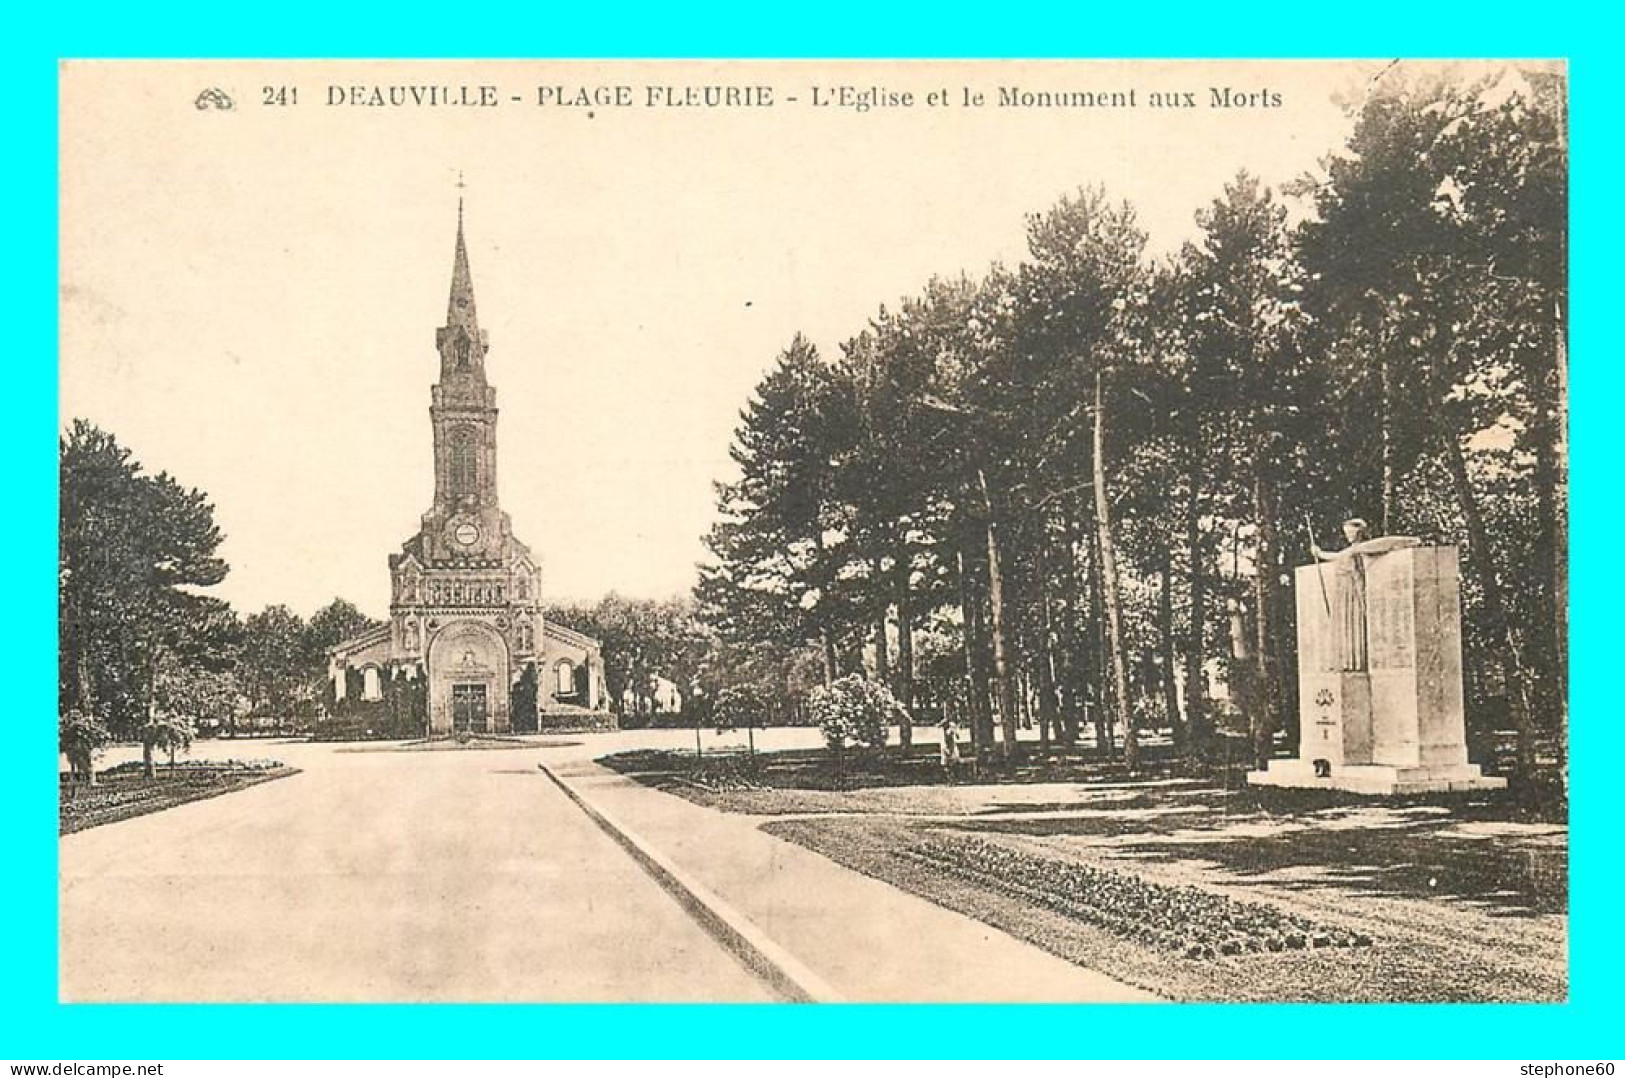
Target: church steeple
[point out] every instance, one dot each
(464, 415)
(460, 308)
(461, 342)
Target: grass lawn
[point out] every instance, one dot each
(1198, 890)
(122, 792)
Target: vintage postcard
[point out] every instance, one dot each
(540, 531)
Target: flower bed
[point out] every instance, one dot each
(192, 767)
(123, 792)
(1187, 921)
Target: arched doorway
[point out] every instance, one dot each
(468, 680)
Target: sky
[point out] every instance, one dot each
(249, 297)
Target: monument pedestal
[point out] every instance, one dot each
(1399, 726)
(1376, 778)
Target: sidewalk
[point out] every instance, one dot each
(868, 940)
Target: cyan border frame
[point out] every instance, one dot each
(33, 1025)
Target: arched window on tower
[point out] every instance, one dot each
(566, 678)
(464, 462)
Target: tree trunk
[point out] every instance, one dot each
(1197, 727)
(1108, 571)
(905, 658)
(1266, 719)
(1001, 663)
(87, 707)
(1071, 668)
(81, 766)
(828, 639)
(1048, 704)
(1165, 619)
(1386, 410)
(1098, 664)
(981, 724)
(1560, 539)
(1520, 697)
(882, 640)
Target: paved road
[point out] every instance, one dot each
(381, 876)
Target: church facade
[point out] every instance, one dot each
(465, 610)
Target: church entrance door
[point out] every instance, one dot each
(468, 708)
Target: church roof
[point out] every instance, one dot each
(567, 635)
(378, 634)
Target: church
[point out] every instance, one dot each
(465, 609)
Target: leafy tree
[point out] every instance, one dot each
(333, 624)
(642, 639)
(740, 705)
(187, 695)
(131, 547)
(276, 660)
(169, 733)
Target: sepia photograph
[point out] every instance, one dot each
(974, 531)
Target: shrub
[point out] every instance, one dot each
(853, 711)
(739, 706)
(348, 727)
(82, 737)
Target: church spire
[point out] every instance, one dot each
(460, 308)
(461, 342)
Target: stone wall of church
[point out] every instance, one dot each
(570, 674)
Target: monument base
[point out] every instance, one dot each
(1376, 778)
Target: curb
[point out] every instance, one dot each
(782, 971)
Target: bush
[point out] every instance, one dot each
(739, 706)
(82, 736)
(853, 711)
(371, 725)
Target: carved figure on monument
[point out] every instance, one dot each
(1346, 594)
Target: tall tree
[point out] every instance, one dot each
(1244, 340)
(1084, 287)
(131, 548)
(782, 537)
(276, 660)
(338, 621)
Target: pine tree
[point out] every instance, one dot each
(783, 536)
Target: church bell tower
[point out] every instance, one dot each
(465, 522)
